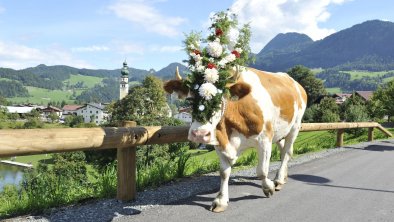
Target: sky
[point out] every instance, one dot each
(101, 34)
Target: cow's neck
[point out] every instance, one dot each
(243, 116)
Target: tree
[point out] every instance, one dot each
(383, 99)
(53, 117)
(326, 111)
(3, 101)
(314, 87)
(145, 104)
(142, 104)
(73, 121)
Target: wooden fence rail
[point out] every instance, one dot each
(39, 141)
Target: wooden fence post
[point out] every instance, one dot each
(340, 137)
(126, 189)
(370, 133)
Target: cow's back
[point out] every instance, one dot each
(281, 99)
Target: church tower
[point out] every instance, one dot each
(124, 81)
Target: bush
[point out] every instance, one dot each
(356, 113)
(33, 123)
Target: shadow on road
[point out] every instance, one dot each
(379, 148)
(205, 199)
(309, 178)
(353, 188)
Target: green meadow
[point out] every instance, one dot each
(43, 96)
(358, 74)
(88, 81)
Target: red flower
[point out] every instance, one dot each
(195, 51)
(236, 53)
(218, 32)
(211, 66)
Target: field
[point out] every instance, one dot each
(334, 90)
(88, 81)
(355, 74)
(43, 96)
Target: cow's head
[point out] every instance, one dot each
(206, 132)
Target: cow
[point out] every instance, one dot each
(268, 108)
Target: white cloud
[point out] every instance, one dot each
(166, 48)
(269, 18)
(145, 15)
(16, 56)
(93, 48)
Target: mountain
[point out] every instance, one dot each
(168, 72)
(289, 42)
(367, 44)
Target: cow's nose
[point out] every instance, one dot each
(200, 132)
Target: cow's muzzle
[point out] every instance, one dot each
(200, 136)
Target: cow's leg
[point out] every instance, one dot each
(262, 170)
(220, 203)
(287, 152)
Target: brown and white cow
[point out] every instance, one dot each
(269, 109)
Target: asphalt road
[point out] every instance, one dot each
(355, 185)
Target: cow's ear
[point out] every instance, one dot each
(240, 90)
(176, 86)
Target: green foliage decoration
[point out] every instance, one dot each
(213, 61)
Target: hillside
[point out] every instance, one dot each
(43, 84)
(369, 45)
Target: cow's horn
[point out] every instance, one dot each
(177, 76)
(234, 73)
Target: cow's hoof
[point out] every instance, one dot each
(218, 207)
(278, 186)
(268, 192)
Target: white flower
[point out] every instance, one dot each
(207, 91)
(200, 67)
(232, 36)
(239, 50)
(212, 60)
(215, 49)
(211, 75)
(220, 91)
(192, 68)
(196, 57)
(230, 57)
(201, 107)
(222, 63)
(196, 86)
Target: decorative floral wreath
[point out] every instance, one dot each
(225, 48)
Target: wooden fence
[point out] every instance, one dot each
(125, 139)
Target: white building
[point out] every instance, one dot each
(93, 112)
(184, 117)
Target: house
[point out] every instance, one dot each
(184, 114)
(184, 117)
(47, 111)
(341, 97)
(70, 110)
(93, 113)
(19, 109)
(365, 95)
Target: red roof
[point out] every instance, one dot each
(367, 95)
(71, 107)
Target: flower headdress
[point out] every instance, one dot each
(212, 60)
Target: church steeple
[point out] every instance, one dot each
(124, 81)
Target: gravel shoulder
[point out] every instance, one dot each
(111, 209)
